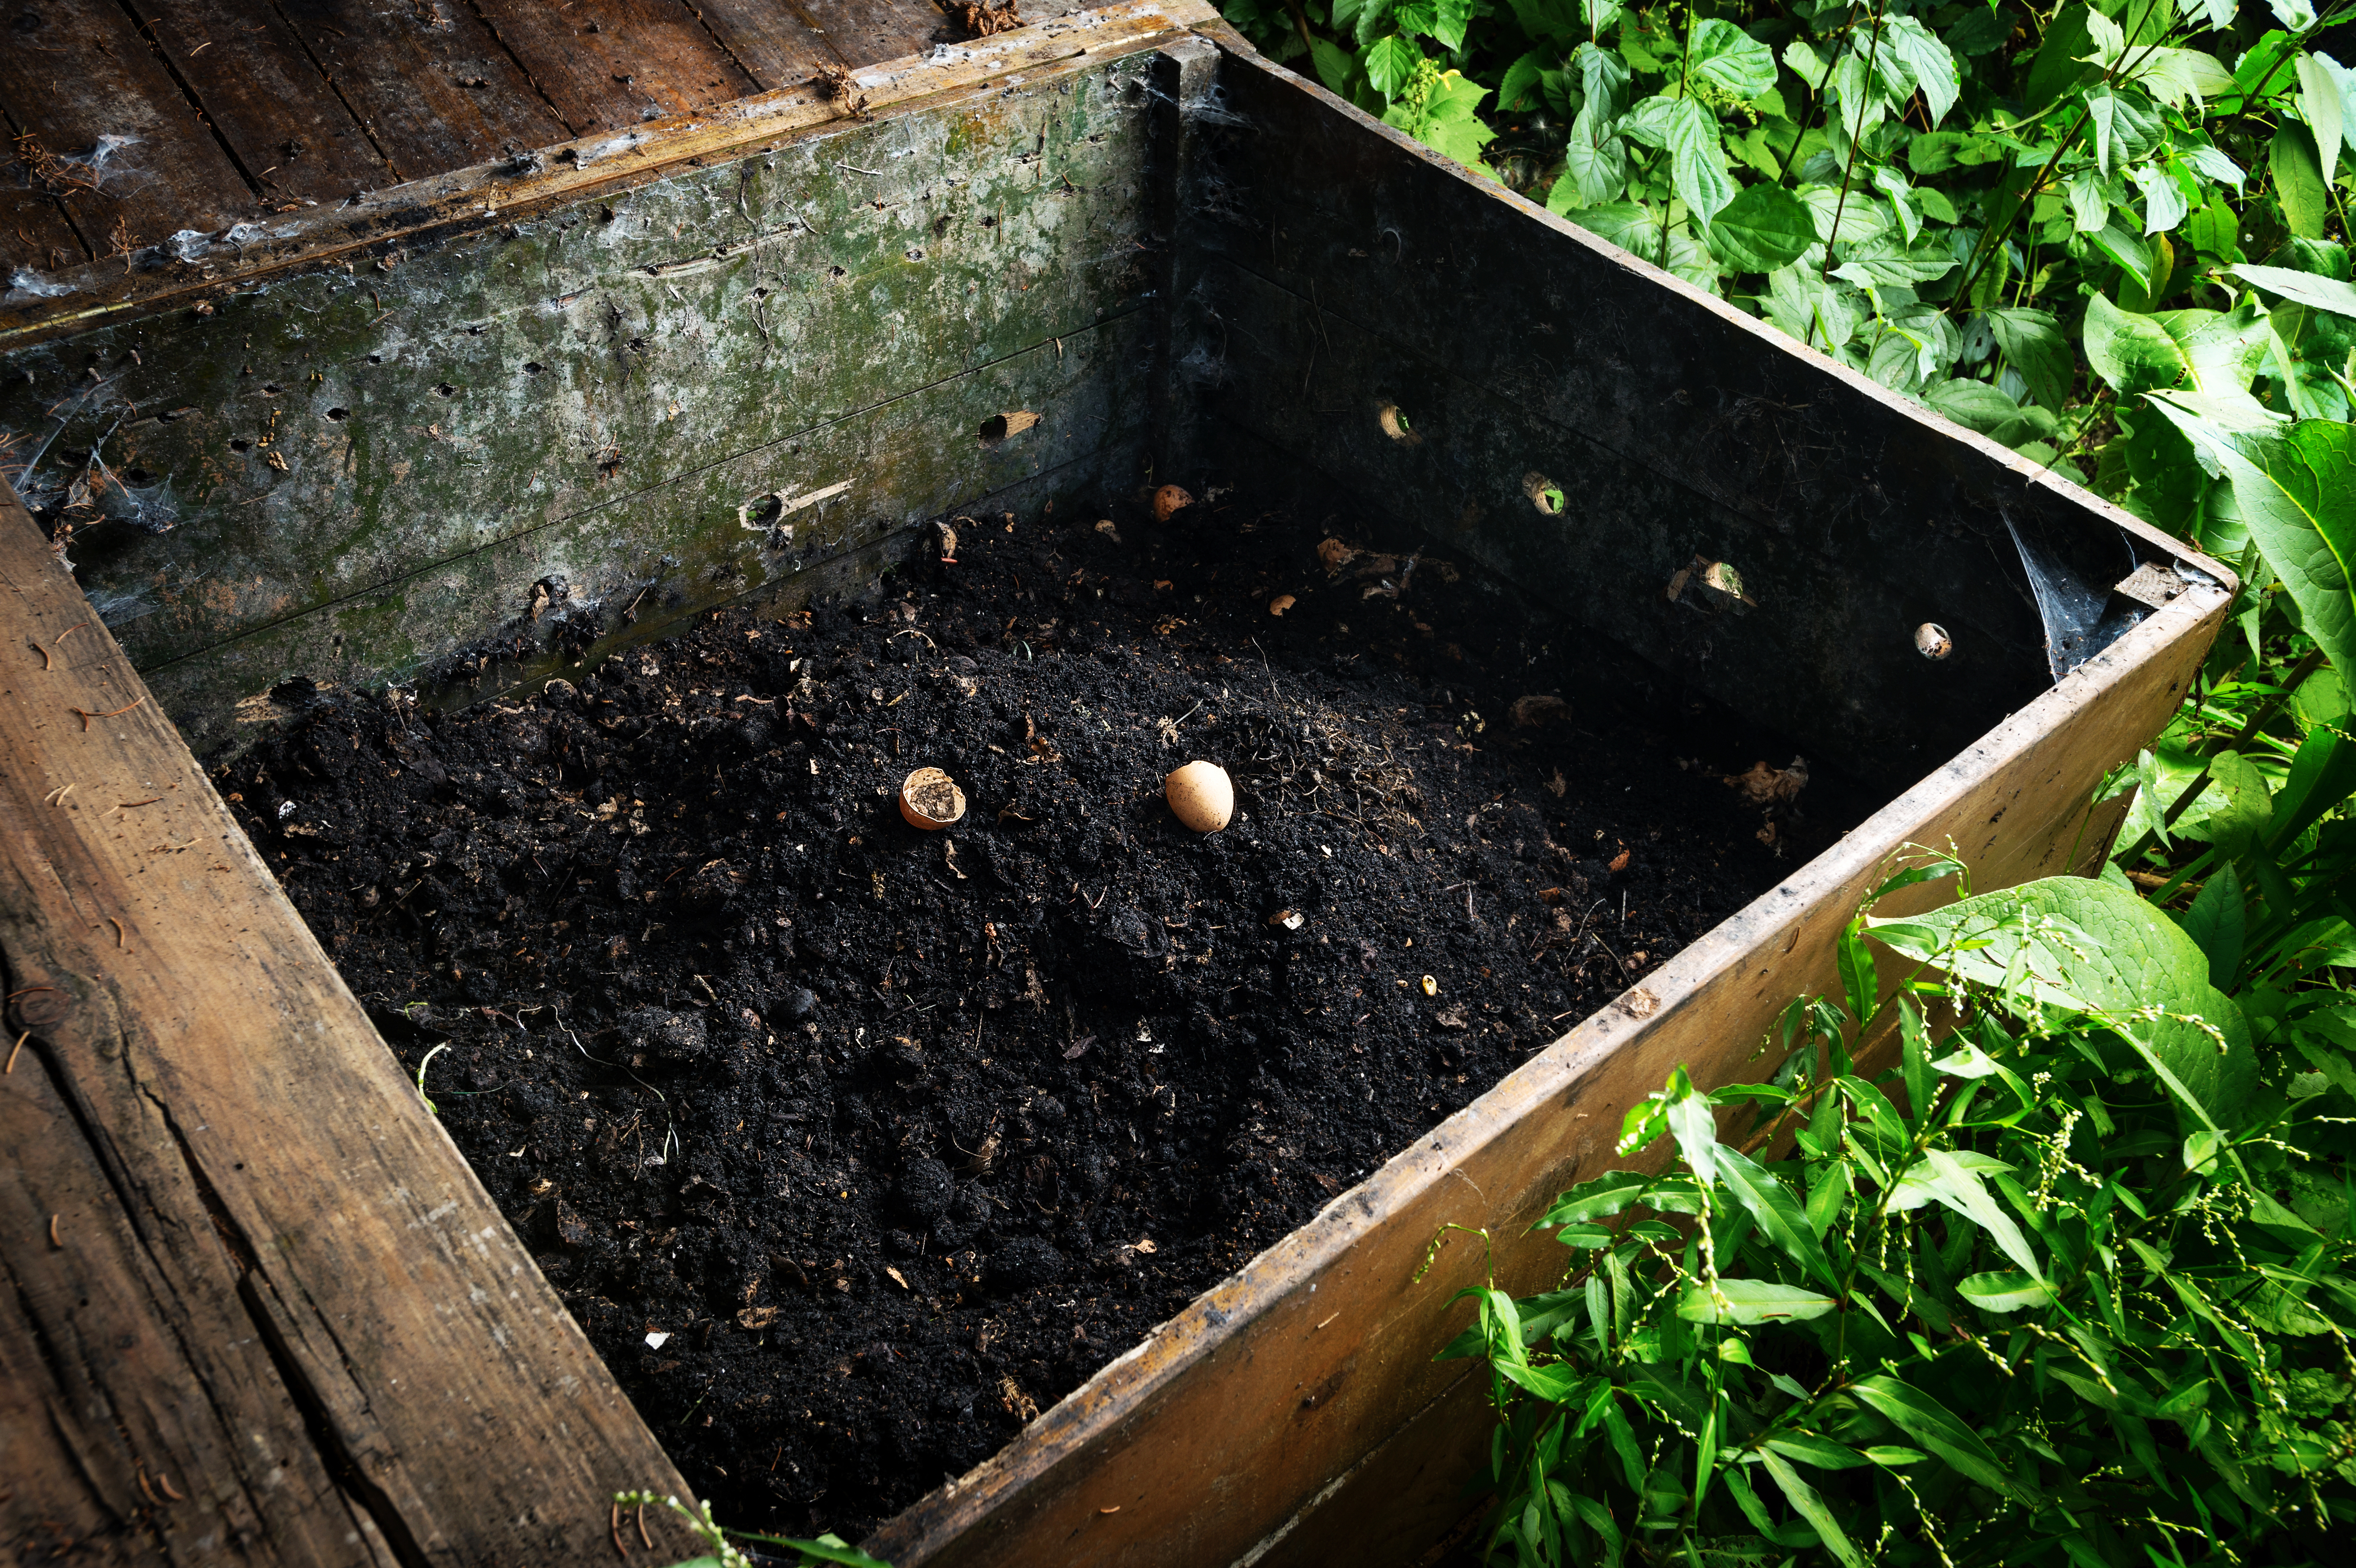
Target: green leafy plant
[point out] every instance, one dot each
(724, 1553)
(2071, 1284)
(2109, 235)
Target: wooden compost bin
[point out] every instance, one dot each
(261, 1310)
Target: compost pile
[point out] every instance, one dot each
(853, 1146)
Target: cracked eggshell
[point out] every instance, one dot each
(930, 800)
(1201, 796)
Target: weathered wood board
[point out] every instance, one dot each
(625, 569)
(287, 460)
(258, 1310)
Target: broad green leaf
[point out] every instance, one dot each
(2296, 494)
(2127, 126)
(1724, 55)
(1935, 1427)
(2297, 170)
(2180, 78)
(1822, 1452)
(1751, 1301)
(1334, 65)
(1927, 61)
(2124, 245)
(2005, 1292)
(1391, 63)
(1602, 78)
(1609, 1194)
(1597, 16)
(2306, 288)
(1765, 227)
(1805, 63)
(1696, 163)
(1858, 95)
(2032, 342)
(2211, 165)
(1890, 259)
(2239, 805)
(2164, 206)
(2080, 944)
(2217, 921)
(1810, 1506)
(1945, 1177)
(1693, 1124)
(1777, 1213)
(2318, 101)
(1802, 305)
(1595, 165)
(2089, 196)
(2132, 353)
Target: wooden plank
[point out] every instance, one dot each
(684, 546)
(1229, 1424)
(33, 233)
(103, 1334)
(74, 74)
(267, 98)
(432, 86)
(278, 1204)
(865, 31)
(335, 431)
(378, 227)
(773, 43)
(607, 64)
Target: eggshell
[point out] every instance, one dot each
(927, 785)
(1201, 796)
(1168, 501)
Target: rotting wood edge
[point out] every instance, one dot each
(588, 165)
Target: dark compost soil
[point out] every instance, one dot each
(851, 1146)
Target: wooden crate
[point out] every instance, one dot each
(746, 350)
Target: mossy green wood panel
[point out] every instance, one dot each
(549, 598)
(329, 431)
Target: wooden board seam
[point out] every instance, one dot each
(587, 166)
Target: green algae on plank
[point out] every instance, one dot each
(323, 434)
(625, 569)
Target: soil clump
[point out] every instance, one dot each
(853, 1146)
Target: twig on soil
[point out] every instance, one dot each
(14, 1050)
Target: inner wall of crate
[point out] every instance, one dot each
(1434, 350)
(615, 413)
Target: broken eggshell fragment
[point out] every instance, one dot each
(1168, 501)
(1201, 796)
(931, 800)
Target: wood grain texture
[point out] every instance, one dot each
(865, 31)
(33, 233)
(77, 70)
(607, 64)
(266, 96)
(378, 230)
(433, 88)
(774, 44)
(262, 1210)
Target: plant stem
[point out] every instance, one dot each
(1855, 142)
